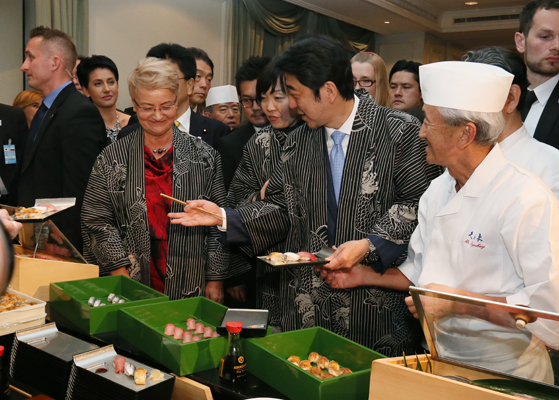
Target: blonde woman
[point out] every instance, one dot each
(125, 226)
(369, 72)
(29, 101)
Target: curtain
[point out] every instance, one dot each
(70, 16)
(286, 22)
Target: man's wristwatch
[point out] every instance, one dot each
(372, 255)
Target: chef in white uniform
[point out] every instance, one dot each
(487, 227)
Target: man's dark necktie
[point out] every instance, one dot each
(530, 99)
(36, 122)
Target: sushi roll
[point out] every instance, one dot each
(91, 301)
(118, 363)
(115, 300)
(120, 301)
(97, 303)
(111, 297)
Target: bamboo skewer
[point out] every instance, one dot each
(199, 209)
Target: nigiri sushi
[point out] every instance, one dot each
(196, 338)
(187, 337)
(276, 257)
(140, 376)
(199, 328)
(169, 329)
(129, 369)
(291, 257)
(118, 363)
(306, 256)
(178, 333)
(190, 324)
(155, 375)
(208, 332)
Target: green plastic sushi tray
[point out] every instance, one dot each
(267, 359)
(144, 327)
(68, 301)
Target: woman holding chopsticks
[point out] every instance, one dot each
(124, 216)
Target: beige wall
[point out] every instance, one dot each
(11, 45)
(124, 30)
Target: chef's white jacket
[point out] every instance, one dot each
(533, 155)
(497, 236)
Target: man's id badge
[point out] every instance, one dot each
(10, 153)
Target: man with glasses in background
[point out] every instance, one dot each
(66, 134)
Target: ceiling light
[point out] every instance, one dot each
(386, 22)
(471, 3)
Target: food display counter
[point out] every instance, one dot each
(479, 349)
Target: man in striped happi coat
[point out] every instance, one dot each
(384, 175)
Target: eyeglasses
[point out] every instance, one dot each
(247, 103)
(151, 110)
(363, 83)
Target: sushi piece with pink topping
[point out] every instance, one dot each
(196, 338)
(118, 363)
(208, 332)
(215, 334)
(178, 333)
(199, 328)
(169, 329)
(187, 337)
(306, 256)
(190, 324)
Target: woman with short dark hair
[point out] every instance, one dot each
(98, 76)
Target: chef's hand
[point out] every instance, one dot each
(348, 255)
(434, 307)
(238, 293)
(346, 278)
(13, 227)
(214, 291)
(120, 271)
(192, 217)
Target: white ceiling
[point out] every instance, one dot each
(434, 16)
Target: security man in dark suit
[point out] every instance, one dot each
(66, 135)
(209, 129)
(538, 40)
(13, 133)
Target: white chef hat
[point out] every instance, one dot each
(222, 94)
(465, 86)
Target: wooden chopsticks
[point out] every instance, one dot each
(200, 210)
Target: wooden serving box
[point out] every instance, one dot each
(33, 276)
(392, 380)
